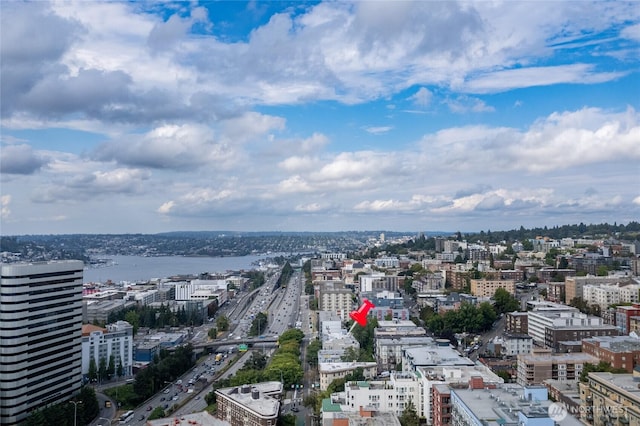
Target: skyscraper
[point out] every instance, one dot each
(40, 336)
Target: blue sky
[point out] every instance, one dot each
(122, 117)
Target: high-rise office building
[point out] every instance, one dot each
(40, 336)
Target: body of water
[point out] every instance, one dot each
(139, 268)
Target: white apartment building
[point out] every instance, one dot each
(388, 352)
(514, 344)
(40, 336)
(606, 295)
(101, 343)
(333, 256)
(391, 395)
(452, 375)
(387, 262)
(538, 321)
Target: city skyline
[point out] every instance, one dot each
(136, 117)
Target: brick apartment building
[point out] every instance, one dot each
(554, 335)
(624, 315)
(619, 351)
(517, 322)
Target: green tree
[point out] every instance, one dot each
(504, 302)
(258, 361)
(312, 352)
(102, 369)
(90, 404)
(93, 370)
(488, 315)
(602, 271)
(602, 366)
(364, 336)
(350, 354)
(287, 420)
(212, 333)
(111, 367)
(259, 324)
(120, 369)
(222, 323)
(504, 375)
(133, 318)
(409, 415)
(157, 413)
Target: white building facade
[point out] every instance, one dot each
(116, 340)
(40, 336)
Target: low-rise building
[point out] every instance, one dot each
(513, 344)
(567, 394)
(554, 336)
(99, 310)
(542, 320)
(507, 405)
(440, 354)
(335, 414)
(610, 294)
(487, 288)
(337, 370)
(388, 352)
(255, 404)
(618, 351)
(202, 418)
(517, 322)
(541, 365)
(397, 328)
(623, 315)
(102, 343)
(611, 399)
(334, 296)
(392, 395)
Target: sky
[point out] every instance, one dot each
(146, 117)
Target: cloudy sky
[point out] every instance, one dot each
(127, 117)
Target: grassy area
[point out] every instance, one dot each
(125, 396)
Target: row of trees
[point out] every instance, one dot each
(152, 317)
(164, 368)
(469, 318)
(285, 365)
(285, 275)
(105, 370)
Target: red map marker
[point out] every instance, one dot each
(360, 316)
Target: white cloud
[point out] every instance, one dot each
(560, 141)
(309, 208)
(378, 130)
(463, 104)
(422, 97)
(501, 81)
(631, 32)
(5, 202)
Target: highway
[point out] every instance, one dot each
(284, 308)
